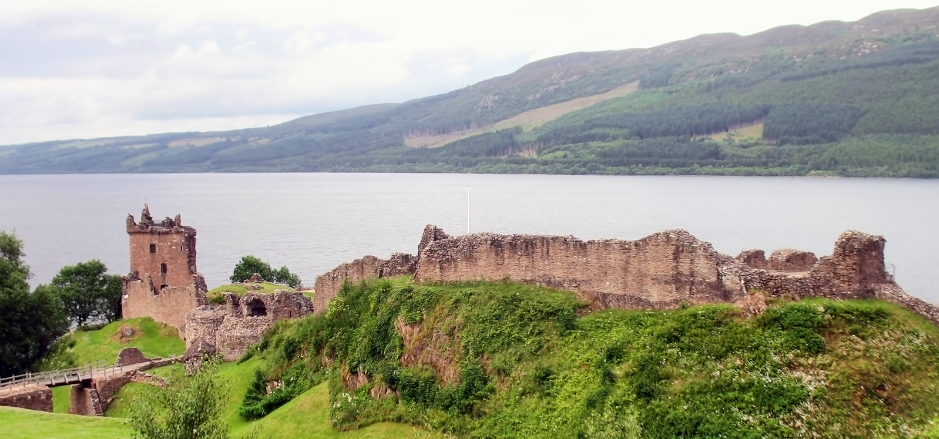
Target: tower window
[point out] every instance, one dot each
(163, 269)
(152, 248)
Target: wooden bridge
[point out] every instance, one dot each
(75, 375)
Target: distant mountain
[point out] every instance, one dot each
(834, 98)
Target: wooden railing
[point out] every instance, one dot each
(61, 377)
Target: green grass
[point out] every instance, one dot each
(308, 416)
(30, 424)
(61, 398)
(152, 338)
(305, 416)
(215, 295)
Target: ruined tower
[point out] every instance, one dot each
(163, 282)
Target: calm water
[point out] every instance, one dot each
(313, 222)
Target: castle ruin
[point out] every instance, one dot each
(661, 271)
(163, 282)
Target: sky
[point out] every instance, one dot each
(95, 68)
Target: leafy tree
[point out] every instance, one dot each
(190, 408)
(88, 293)
(249, 265)
(29, 322)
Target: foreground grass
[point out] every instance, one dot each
(305, 416)
(30, 424)
(84, 347)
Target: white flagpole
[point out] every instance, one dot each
(467, 210)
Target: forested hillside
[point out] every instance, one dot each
(834, 98)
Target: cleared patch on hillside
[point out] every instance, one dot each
(528, 120)
(751, 133)
(196, 141)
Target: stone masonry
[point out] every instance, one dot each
(163, 282)
(660, 271)
(230, 329)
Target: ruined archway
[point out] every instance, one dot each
(256, 308)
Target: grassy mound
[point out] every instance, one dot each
(82, 347)
(216, 295)
(505, 360)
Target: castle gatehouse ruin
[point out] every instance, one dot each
(661, 271)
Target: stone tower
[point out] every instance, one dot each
(163, 282)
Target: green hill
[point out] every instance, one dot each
(484, 360)
(81, 347)
(834, 98)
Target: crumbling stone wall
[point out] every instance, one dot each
(660, 271)
(30, 397)
(230, 329)
(163, 282)
(791, 260)
(328, 284)
(128, 356)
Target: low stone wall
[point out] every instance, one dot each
(235, 336)
(31, 397)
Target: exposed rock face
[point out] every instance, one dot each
(234, 327)
(659, 271)
(791, 260)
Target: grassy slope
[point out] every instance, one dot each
(152, 338)
(831, 368)
(305, 416)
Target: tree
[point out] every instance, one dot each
(249, 265)
(29, 322)
(190, 408)
(88, 293)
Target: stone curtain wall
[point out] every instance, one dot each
(369, 267)
(660, 271)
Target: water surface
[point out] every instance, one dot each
(312, 222)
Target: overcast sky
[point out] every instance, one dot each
(92, 68)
